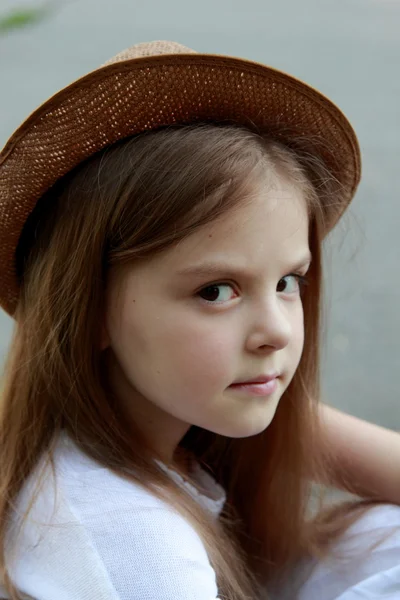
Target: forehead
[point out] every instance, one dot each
(272, 222)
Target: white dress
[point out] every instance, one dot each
(366, 564)
(96, 536)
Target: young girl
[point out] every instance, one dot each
(161, 222)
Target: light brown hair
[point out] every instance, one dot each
(128, 202)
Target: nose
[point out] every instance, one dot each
(270, 325)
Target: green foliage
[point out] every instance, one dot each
(22, 17)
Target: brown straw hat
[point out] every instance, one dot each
(148, 86)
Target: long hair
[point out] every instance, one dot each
(130, 201)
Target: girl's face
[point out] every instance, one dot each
(222, 306)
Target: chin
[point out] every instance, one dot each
(247, 428)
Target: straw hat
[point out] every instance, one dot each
(145, 87)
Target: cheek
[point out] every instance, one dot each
(173, 349)
(201, 355)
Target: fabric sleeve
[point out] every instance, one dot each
(154, 554)
(365, 564)
(109, 543)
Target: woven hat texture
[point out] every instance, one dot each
(143, 88)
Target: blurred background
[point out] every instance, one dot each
(349, 50)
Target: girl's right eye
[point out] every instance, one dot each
(212, 293)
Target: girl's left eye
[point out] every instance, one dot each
(291, 284)
(212, 293)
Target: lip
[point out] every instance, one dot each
(258, 379)
(265, 388)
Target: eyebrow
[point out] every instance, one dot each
(213, 268)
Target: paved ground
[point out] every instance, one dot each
(349, 50)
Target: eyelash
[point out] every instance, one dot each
(302, 281)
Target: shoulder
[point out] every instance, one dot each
(365, 562)
(101, 536)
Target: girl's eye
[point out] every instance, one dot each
(291, 284)
(217, 293)
(212, 293)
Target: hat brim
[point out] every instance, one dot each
(143, 94)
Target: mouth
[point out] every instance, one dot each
(264, 385)
(258, 379)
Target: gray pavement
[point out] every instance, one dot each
(351, 52)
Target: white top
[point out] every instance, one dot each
(100, 537)
(105, 538)
(357, 570)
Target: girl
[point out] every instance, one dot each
(161, 225)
